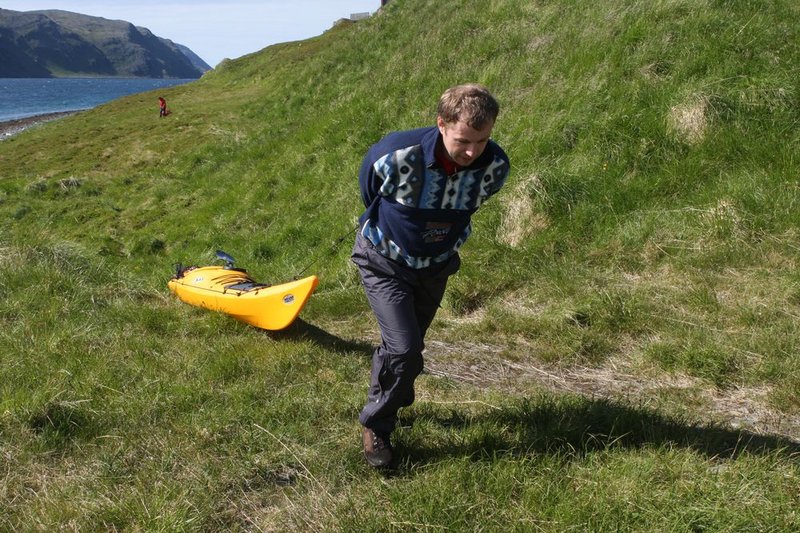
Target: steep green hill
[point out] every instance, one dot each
(645, 250)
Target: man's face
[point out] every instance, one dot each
(463, 143)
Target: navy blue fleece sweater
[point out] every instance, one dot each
(415, 213)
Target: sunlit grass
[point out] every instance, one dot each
(615, 354)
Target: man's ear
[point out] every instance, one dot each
(440, 123)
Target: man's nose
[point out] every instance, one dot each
(471, 150)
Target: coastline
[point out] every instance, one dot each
(12, 127)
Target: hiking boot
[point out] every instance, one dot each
(377, 449)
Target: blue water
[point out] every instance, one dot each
(25, 97)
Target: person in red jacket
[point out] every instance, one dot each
(162, 104)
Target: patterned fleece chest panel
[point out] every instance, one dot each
(411, 183)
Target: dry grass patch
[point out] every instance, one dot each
(232, 135)
(689, 120)
(10, 256)
(520, 219)
(138, 154)
(487, 368)
(540, 41)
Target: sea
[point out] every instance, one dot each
(27, 97)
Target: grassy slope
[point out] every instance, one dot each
(650, 225)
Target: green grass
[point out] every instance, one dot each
(618, 352)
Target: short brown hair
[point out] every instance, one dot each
(470, 103)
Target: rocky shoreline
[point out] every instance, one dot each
(12, 127)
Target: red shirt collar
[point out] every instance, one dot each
(449, 166)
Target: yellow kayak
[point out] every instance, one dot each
(232, 291)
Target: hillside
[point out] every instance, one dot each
(57, 43)
(619, 352)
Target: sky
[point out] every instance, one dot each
(216, 29)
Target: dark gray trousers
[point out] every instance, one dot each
(404, 300)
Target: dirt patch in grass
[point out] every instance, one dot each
(745, 408)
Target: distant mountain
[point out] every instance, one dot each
(194, 59)
(53, 43)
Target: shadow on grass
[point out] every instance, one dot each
(300, 329)
(571, 427)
